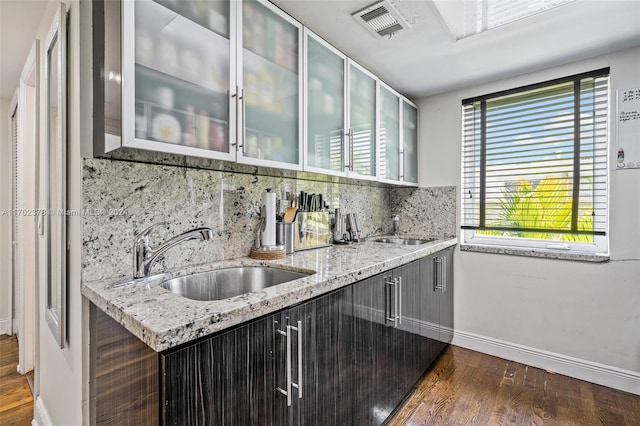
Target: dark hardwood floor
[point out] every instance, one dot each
(16, 400)
(464, 387)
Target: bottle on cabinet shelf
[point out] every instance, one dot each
(165, 126)
(203, 129)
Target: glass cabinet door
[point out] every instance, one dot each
(362, 121)
(389, 135)
(270, 96)
(325, 141)
(410, 142)
(180, 68)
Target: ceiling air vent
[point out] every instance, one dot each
(382, 19)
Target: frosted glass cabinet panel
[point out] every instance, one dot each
(272, 82)
(325, 81)
(389, 135)
(410, 142)
(362, 121)
(180, 63)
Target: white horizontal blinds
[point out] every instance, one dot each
(471, 144)
(535, 159)
(482, 15)
(594, 104)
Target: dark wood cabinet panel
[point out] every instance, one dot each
(124, 383)
(226, 379)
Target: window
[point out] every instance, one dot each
(534, 165)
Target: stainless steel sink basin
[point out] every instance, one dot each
(405, 241)
(228, 282)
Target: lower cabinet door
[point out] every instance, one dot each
(376, 381)
(317, 363)
(430, 307)
(226, 379)
(412, 348)
(446, 298)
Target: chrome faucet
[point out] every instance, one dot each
(144, 257)
(396, 223)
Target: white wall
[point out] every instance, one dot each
(574, 309)
(5, 220)
(61, 382)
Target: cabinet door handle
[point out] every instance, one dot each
(399, 301)
(233, 96)
(402, 165)
(388, 315)
(444, 274)
(287, 391)
(437, 284)
(345, 152)
(239, 143)
(351, 149)
(243, 127)
(298, 385)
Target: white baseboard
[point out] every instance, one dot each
(617, 378)
(4, 326)
(40, 414)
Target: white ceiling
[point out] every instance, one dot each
(19, 21)
(426, 60)
(423, 61)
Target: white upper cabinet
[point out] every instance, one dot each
(362, 123)
(243, 81)
(271, 88)
(176, 77)
(397, 138)
(325, 112)
(195, 84)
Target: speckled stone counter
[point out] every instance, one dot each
(162, 319)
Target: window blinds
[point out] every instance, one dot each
(534, 159)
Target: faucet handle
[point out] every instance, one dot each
(144, 235)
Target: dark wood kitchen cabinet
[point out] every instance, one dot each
(288, 368)
(389, 347)
(348, 357)
(437, 299)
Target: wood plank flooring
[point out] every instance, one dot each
(464, 387)
(16, 400)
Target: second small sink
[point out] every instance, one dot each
(229, 282)
(404, 241)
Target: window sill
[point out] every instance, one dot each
(537, 252)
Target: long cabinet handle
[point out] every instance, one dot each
(239, 143)
(399, 301)
(444, 274)
(244, 123)
(392, 301)
(437, 274)
(288, 362)
(233, 96)
(345, 151)
(351, 148)
(287, 390)
(298, 385)
(402, 165)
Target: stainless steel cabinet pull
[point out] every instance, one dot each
(288, 384)
(351, 149)
(238, 142)
(232, 96)
(444, 274)
(402, 165)
(244, 123)
(298, 385)
(345, 151)
(289, 381)
(437, 275)
(388, 315)
(399, 300)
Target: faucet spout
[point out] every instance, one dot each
(144, 257)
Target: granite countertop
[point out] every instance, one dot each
(162, 319)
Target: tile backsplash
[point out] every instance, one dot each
(127, 197)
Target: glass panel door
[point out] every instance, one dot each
(182, 74)
(271, 84)
(362, 121)
(410, 142)
(389, 135)
(325, 107)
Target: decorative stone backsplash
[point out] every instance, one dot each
(126, 197)
(429, 212)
